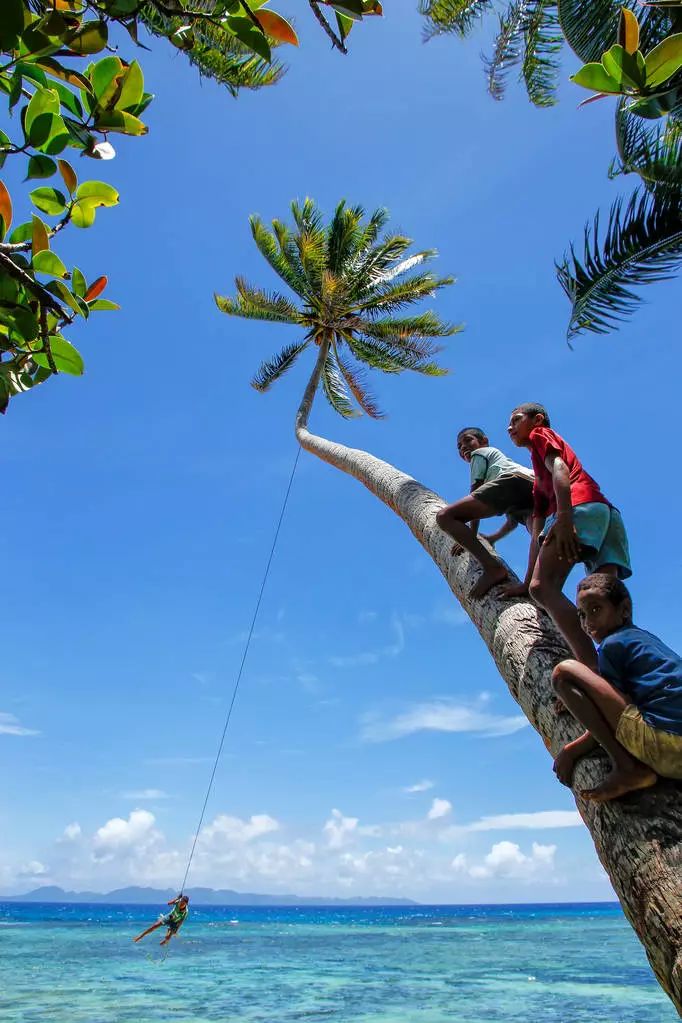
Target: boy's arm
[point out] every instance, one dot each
(563, 531)
(507, 527)
(173, 901)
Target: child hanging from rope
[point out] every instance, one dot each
(173, 920)
(498, 487)
(572, 521)
(633, 706)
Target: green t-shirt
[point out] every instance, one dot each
(178, 914)
(489, 463)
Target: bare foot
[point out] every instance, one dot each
(619, 782)
(137, 939)
(487, 581)
(165, 941)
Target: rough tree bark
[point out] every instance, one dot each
(639, 838)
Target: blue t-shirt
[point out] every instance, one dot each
(646, 671)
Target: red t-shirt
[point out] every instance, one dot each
(583, 487)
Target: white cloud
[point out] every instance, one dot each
(439, 808)
(9, 725)
(420, 786)
(235, 831)
(506, 861)
(137, 834)
(32, 869)
(71, 833)
(365, 617)
(145, 794)
(440, 716)
(540, 820)
(339, 829)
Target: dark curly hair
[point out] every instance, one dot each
(609, 586)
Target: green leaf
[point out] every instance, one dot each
(664, 60)
(624, 67)
(353, 9)
(132, 89)
(49, 133)
(92, 38)
(250, 36)
(594, 76)
(83, 215)
(78, 282)
(345, 24)
(103, 74)
(66, 358)
(21, 233)
(47, 262)
(59, 289)
(121, 121)
(49, 200)
(43, 101)
(11, 24)
(102, 304)
(40, 167)
(96, 193)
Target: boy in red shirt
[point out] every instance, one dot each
(572, 521)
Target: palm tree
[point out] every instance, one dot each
(350, 282)
(348, 279)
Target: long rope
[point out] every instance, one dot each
(241, 669)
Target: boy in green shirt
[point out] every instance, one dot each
(173, 920)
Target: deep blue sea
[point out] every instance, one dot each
(422, 964)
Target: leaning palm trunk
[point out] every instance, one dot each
(638, 840)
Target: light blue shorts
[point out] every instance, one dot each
(602, 537)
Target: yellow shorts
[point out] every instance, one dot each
(662, 751)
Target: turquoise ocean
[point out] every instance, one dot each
(416, 964)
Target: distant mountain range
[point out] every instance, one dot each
(199, 896)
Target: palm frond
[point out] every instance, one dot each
(270, 248)
(290, 251)
(378, 260)
(425, 325)
(642, 244)
(335, 390)
(508, 48)
(591, 28)
(391, 358)
(407, 264)
(543, 43)
(215, 52)
(277, 366)
(391, 297)
(458, 17)
(253, 304)
(345, 236)
(651, 149)
(358, 388)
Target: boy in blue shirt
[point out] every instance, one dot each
(499, 486)
(633, 707)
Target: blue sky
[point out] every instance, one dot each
(141, 502)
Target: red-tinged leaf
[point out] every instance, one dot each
(5, 208)
(373, 7)
(95, 289)
(40, 239)
(277, 27)
(593, 99)
(69, 175)
(628, 31)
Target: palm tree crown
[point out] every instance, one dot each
(351, 281)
